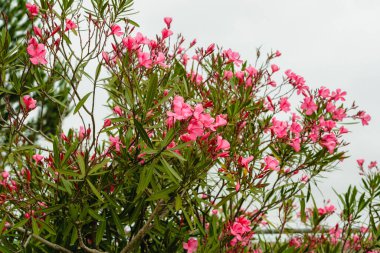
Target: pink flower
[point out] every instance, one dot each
(141, 39)
(210, 49)
(295, 128)
(106, 57)
(237, 187)
(323, 92)
(83, 133)
(191, 245)
(372, 164)
(195, 128)
(38, 158)
(144, 60)
(70, 25)
(304, 178)
(338, 95)
(343, 130)
(130, 43)
(37, 31)
(166, 33)
(232, 57)
(279, 128)
(274, 68)
(296, 144)
(284, 104)
(330, 107)
(335, 234)
(329, 141)
(328, 209)
(220, 120)
(244, 161)
(221, 144)
(297, 81)
(168, 21)
(339, 114)
(195, 77)
(115, 142)
(239, 227)
(5, 174)
(365, 118)
(309, 106)
(36, 52)
(295, 242)
(360, 162)
(29, 102)
(107, 123)
(271, 163)
(116, 30)
(118, 110)
(33, 9)
(160, 60)
(181, 110)
(251, 71)
(277, 53)
(228, 75)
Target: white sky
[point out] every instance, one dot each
(335, 43)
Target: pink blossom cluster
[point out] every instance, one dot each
(198, 124)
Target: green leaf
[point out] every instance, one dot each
(47, 227)
(82, 165)
(94, 190)
(178, 203)
(117, 221)
(19, 224)
(100, 231)
(145, 178)
(170, 171)
(35, 228)
(152, 91)
(142, 133)
(2, 224)
(81, 102)
(95, 215)
(98, 166)
(68, 173)
(164, 194)
(67, 186)
(74, 236)
(98, 71)
(50, 209)
(6, 91)
(302, 207)
(225, 199)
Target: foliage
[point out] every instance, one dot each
(202, 151)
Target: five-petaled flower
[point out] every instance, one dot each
(33, 9)
(191, 245)
(116, 30)
(36, 52)
(70, 25)
(29, 102)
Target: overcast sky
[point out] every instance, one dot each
(335, 43)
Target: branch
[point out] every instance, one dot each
(83, 246)
(142, 231)
(44, 241)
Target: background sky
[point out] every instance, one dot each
(335, 43)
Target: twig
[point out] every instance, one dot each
(129, 247)
(83, 246)
(44, 241)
